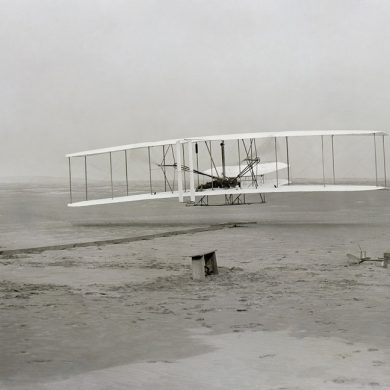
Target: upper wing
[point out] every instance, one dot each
(238, 136)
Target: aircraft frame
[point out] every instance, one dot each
(232, 182)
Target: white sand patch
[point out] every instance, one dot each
(249, 360)
(79, 277)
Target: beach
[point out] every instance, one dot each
(288, 309)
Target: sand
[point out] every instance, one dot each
(287, 311)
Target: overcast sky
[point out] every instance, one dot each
(82, 74)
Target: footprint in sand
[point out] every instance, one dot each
(344, 380)
(343, 355)
(267, 355)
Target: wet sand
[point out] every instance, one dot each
(287, 311)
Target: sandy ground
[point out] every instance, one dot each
(281, 314)
(287, 311)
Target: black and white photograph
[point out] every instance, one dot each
(194, 194)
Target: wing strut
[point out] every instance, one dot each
(163, 169)
(211, 159)
(174, 161)
(184, 172)
(323, 161)
(150, 172)
(112, 183)
(249, 157)
(127, 175)
(197, 159)
(86, 177)
(376, 163)
(239, 156)
(288, 163)
(191, 168)
(223, 159)
(276, 160)
(70, 180)
(163, 166)
(334, 175)
(179, 172)
(384, 159)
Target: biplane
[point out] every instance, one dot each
(229, 166)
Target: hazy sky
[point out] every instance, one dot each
(81, 74)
